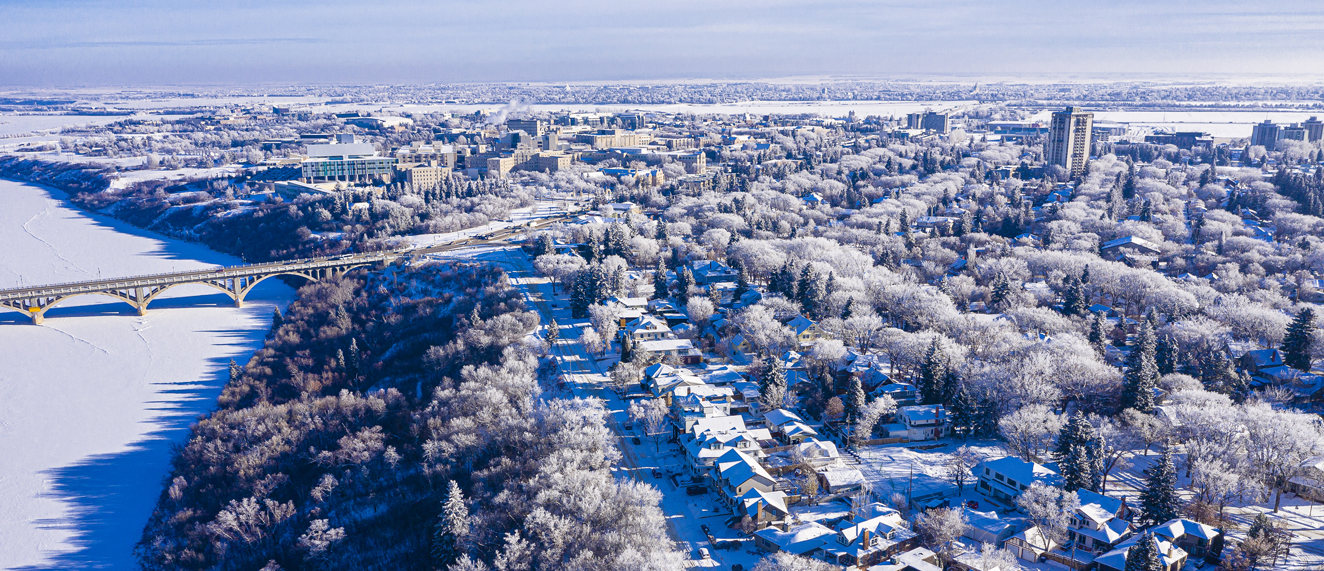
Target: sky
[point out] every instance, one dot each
(86, 43)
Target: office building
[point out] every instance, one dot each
(1182, 140)
(346, 160)
(1069, 136)
(929, 121)
(695, 163)
(1264, 134)
(533, 127)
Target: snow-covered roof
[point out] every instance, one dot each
(839, 477)
(781, 416)
(798, 539)
(1178, 528)
(1131, 241)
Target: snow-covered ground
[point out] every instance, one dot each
(91, 401)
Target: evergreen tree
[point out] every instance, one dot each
(1144, 555)
(742, 284)
(1078, 455)
(554, 332)
(999, 293)
(849, 309)
(627, 349)
(276, 321)
(1098, 332)
(1159, 501)
(235, 372)
(660, 290)
(1074, 299)
(452, 528)
(855, 400)
(933, 373)
(772, 383)
(1129, 186)
(965, 413)
(544, 246)
(1296, 344)
(580, 295)
(685, 280)
(1165, 355)
(1142, 373)
(353, 359)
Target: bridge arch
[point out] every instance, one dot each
(38, 315)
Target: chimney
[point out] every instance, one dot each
(864, 541)
(758, 515)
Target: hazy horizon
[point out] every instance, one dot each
(63, 43)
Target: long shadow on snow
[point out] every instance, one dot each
(113, 494)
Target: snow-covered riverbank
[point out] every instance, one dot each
(91, 401)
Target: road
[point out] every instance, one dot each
(580, 371)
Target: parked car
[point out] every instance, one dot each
(635, 440)
(696, 490)
(729, 545)
(657, 473)
(704, 527)
(703, 553)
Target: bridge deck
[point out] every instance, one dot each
(247, 270)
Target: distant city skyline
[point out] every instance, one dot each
(63, 43)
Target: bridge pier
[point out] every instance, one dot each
(239, 302)
(38, 318)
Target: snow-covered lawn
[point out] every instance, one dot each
(91, 401)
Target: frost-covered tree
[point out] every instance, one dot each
(1159, 501)
(1050, 509)
(772, 383)
(941, 527)
(1030, 431)
(1079, 455)
(1142, 374)
(449, 540)
(1297, 341)
(651, 414)
(1144, 555)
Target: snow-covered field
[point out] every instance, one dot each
(91, 401)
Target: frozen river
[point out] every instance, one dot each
(91, 401)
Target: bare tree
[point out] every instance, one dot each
(1030, 431)
(940, 527)
(652, 415)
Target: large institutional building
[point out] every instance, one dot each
(1069, 139)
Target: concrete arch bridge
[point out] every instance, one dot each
(139, 291)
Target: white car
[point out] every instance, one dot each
(703, 553)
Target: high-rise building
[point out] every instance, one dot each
(1264, 134)
(1069, 139)
(1314, 129)
(929, 121)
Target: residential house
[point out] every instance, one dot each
(806, 331)
(1171, 557)
(864, 541)
(920, 422)
(796, 539)
(841, 480)
(711, 272)
(1196, 539)
(646, 328)
(987, 527)
(1005, 478)
(763, 508)
(1128, 245)
(736, 473)
(1031, 544)
(682, 349)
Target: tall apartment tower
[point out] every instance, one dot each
(1264, 134)
(1314, 129)
(1069, 137)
